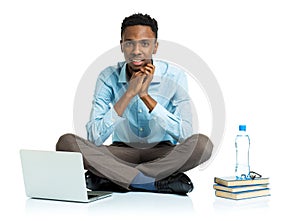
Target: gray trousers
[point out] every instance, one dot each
(121, 162)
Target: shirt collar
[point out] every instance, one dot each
(156, 77)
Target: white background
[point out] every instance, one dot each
(252, 47)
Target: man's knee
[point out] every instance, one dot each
(205, 147)
(65, 142)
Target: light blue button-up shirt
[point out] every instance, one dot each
(170, 120)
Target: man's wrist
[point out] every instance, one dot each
(128, 95)
(148, 101)
(143, 95)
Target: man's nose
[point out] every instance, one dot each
(136, 49)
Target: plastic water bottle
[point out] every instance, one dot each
(242, 145)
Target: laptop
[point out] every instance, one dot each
(56, 175)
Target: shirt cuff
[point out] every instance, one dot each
(160, 115)
(111, 118)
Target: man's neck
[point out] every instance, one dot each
(128, 73)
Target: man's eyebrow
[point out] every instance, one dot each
(142, 39)
(128, 39)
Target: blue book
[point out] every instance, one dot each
(236, 189)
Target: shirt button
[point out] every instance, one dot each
(140, 110)
(141, 129)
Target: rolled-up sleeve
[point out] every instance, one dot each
(177, 123)
(103, 118)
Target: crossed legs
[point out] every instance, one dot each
(121, 164)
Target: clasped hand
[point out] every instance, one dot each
(140, 81)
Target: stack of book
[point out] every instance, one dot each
(229, 187)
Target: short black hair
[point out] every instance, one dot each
(139, 19)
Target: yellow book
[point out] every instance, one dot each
(243, 195)
(231, 181)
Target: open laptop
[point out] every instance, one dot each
(56, 175)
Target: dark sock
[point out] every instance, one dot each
(141, 181)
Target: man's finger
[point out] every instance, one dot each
(142, 78)
(149, 70)
(150, 65)
(136, 74)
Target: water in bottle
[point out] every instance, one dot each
(242, 145)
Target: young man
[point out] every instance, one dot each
(143, 103)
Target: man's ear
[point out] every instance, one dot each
(155, 48)
(121, 46)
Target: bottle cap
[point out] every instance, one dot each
(242, 128)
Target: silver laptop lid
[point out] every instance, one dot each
(54, 175)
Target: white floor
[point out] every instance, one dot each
(201, 203)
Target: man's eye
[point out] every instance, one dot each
(128, 43)
(145, 43)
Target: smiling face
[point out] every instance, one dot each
(138, 44)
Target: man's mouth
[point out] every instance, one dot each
(137, 62)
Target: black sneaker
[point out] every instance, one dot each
(178, 183)
(96, 183)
